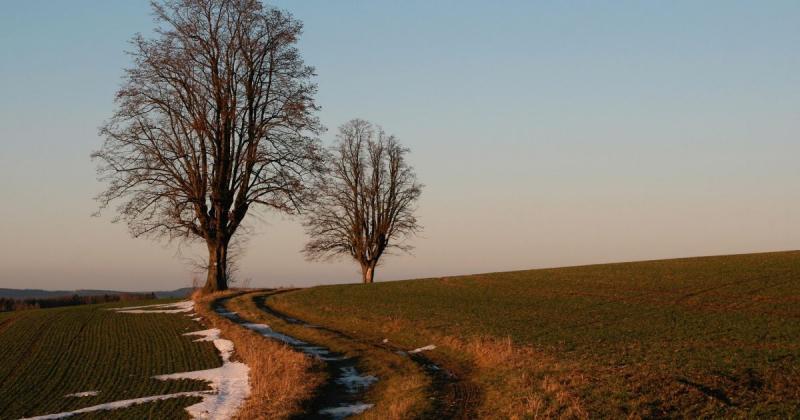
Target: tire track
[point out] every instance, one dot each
(341, 395)
(452, 396)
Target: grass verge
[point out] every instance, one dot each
(401, 388)
(280, 378)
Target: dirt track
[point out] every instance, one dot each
(454, 398)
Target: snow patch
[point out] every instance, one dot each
(353, 381)
(82, 394)
(162, 308)
(229, 383)
(228, 314)
(345, 410)
(119, 404)
(428, 347)
(320, 352)
(348, 377)
(266, 331)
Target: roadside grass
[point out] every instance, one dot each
(711, 336)
(49, 353)
(400, 391)
(280, 378)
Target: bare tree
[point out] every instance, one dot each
(365, 201)
(215, 116)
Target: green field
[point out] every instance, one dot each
(713, 336)
(697, 337)
(49, 353)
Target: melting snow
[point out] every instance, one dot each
(428, 347)
(120, 404)
(228, 314)
(353, 381)
(183, 306)
(320, 352)
(83, 394)
(349, 376)
(229, 382)
(266, 331)
(345, 410)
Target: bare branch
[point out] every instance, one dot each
(365, 200)
(215, 115)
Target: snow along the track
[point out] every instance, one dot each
(229, 383)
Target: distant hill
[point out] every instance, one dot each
(177, 293)
(42, 294)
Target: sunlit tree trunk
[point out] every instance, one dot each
(217, 267)
(368, 273)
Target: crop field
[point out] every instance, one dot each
(50, 353)
(711, 336)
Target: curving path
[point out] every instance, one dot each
(342, 395)
(453, 397)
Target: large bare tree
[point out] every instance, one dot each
(365, 201)
(215, 116)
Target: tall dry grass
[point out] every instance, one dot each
(400, 391)
(281, 379)
(530, 384)
(516, 382)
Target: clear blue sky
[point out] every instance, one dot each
(547, 134)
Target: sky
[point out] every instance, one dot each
(546, 134)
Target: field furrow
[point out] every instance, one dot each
(50, 353)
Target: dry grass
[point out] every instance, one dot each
(400, 390)
(281, 379)
(516, 382)
(526, 383)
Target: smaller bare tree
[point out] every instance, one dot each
(365, 201)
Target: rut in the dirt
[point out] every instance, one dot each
(452, 397)
(342, 395)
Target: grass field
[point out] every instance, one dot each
(49, 353)
(713, 336)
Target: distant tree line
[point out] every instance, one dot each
(9, 304)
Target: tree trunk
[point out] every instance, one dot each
(367, 273)
(217, 280)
